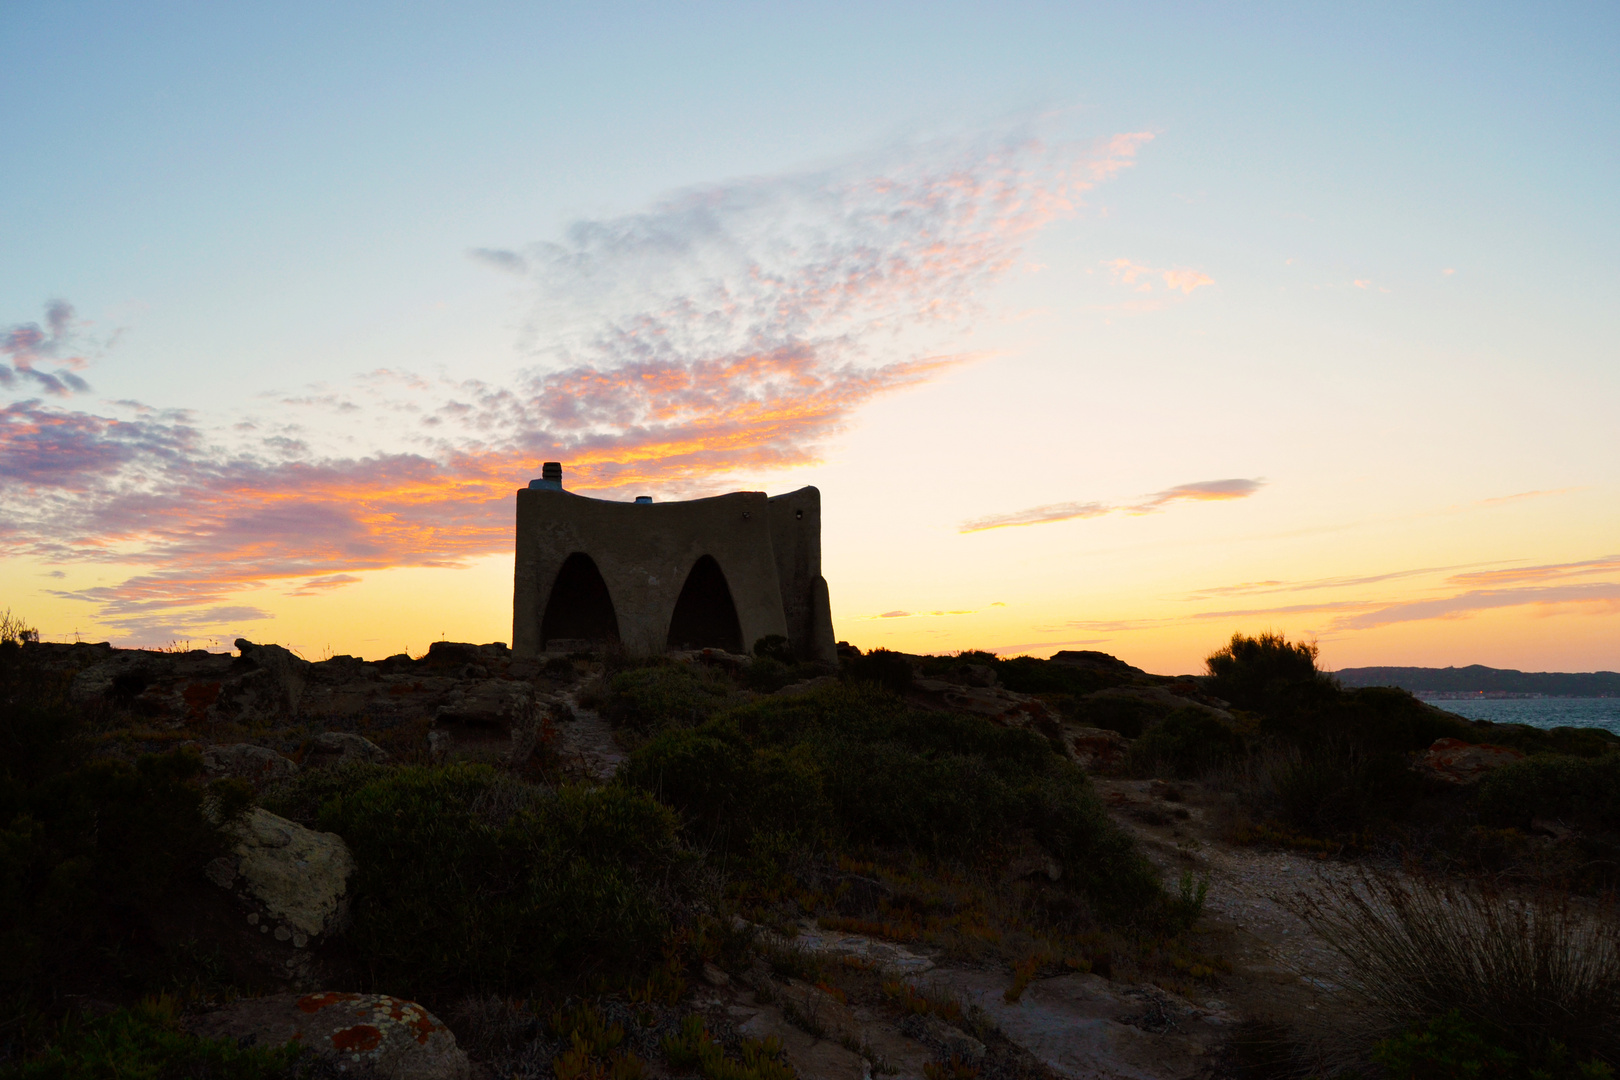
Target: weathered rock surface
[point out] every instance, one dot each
(1086, 1026)
(889, 958)
(334, 749)
(397, 1039)
(292, 885)
(1458, 762)
(1098, 748)
(488, 720)
(948, 1042)
(258, 765)
(282, 673)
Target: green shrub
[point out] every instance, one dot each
(87, 847)
(1448, 1047)
(1576, 790)
(1257, 672)
(775, 647)
(470, 880)
(300, 798)
(664, 695)
(1526, 973)
(1127, 715)
(145, 1043)
(1186, 744)
(1574, 741)
(890, 670)
(768, 675)
(853, 766)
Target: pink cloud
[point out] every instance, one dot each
(1201, 491)
(26, 345)
(1126, 272)
(730, 329)
(1186, 280)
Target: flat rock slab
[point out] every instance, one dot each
(398, 1039)
(1085, 1026)
(890, 959)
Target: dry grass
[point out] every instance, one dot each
(1530, 969)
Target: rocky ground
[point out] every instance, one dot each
(877, 1008)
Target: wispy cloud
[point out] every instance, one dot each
(1311, 585)
(898, 614)
(1141, 278)
(1202, 491)
(27, 345)
(1595, 596)
(324, 584)
(727, 330)
(1038, 515)
(1554, 572)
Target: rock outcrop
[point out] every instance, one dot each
(258, 765)
(387, 1036)
(1456, 762)
(335, 749)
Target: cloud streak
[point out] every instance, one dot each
(26, 345)
(1201, 491)
(727, 330)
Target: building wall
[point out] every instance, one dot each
(644, 553)
(796, 539)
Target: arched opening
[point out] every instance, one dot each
(705, 617)
(579, 607)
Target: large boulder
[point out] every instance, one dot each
(288, 894)
(334, 749)
(284, 672)
(488, 720)
(394, 1038)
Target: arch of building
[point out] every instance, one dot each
(719, 572)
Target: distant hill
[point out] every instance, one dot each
(1476, 678)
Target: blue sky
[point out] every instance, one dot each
(1398, 226)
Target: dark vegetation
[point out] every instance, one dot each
(1484, 956)
(1304, 761)
(841, 803)
(557, 924)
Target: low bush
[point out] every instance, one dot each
(852, 766)
(1261, 672)
(1129, 716)
(1531, 975)
(1582, 791)
(1026, 674)
(775, 647)
(146, 1043)
(658, 696)
(1186, 744)
(767, 675)
(890, 670)
(472, 881)
(88, 847)
(1449, 1047)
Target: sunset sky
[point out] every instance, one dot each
(1119, 327)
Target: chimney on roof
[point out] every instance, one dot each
(550, 477)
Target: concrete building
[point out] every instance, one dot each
(721, 572)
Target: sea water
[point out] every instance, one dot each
(1541, 712)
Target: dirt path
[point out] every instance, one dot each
(1282, 972)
